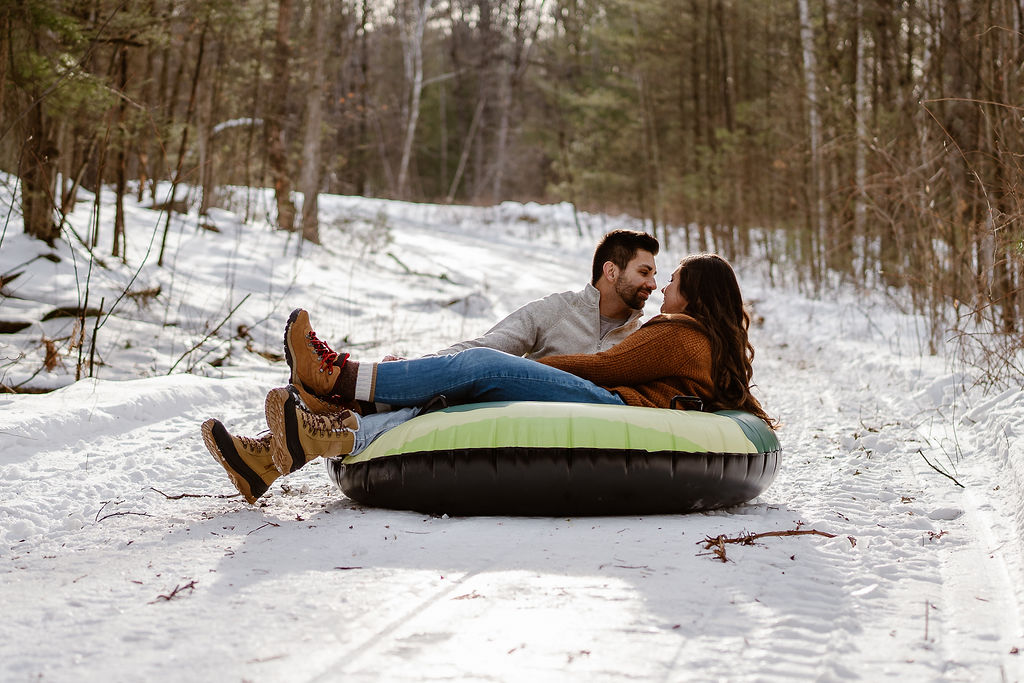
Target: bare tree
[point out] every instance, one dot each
(519, 49)
(412, 29)
(277, 151)
(861, 130)
(119, 247)
(309, 182)
(183, 146)
(810, 68)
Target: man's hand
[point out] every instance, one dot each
(390, 357)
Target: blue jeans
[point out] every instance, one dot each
(482, 374)
(470, 376)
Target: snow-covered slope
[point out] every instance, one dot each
(124, 557)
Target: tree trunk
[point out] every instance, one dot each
(311, 156)
(255, 113)
(505, 100)
(119, 247)
(861, 141)
(650, 179)
(142, 141)
(277, 152)
(817, 191)
(697, 117)
(38, 175)
(467, 145)
(183, 147)
(510, 92)
(362, 157)
(171, 101)
(727, 80)
(211, 115)
(412, 47)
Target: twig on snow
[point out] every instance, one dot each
(105, 504)
(179, 496)
(191, 586)
(117, 514)
(125, 512)
(717, 544)
(410, 271)
(942, 472)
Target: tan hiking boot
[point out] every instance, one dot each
(312, 363)
(315, 404)
(247, 461)
(301, 436)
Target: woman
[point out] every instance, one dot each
(697, 347)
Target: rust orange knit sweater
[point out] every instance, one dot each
(666, 357)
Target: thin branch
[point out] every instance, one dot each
(194, 495)
(942, 472)
(973, 101)
(191, 586)
(210, 334)
(717, 544)
(126, 512)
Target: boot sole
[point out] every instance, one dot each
(287, 350)
(220, 445)
(280, 413)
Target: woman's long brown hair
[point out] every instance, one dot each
(714, 300)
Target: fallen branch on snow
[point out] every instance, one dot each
(410, 271)
(942, 472)
(179, 496)
(717, 545)
(191, 586)
(121, 514)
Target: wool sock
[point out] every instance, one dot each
(356, 381)
(363, 381)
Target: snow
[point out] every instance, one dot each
(125, 557)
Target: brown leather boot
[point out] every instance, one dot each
(315, 404)
(247, 461)
(312, 363)
(301, 436)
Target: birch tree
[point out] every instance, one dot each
(810, 68)
(861, 134)
(412, 30)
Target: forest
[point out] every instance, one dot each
(868, 143)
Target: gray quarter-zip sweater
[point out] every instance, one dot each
(559, 324)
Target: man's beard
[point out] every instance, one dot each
(632, 296)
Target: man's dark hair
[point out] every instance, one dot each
(620, 247)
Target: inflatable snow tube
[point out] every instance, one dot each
(562, 459)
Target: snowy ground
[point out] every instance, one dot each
(108, 573)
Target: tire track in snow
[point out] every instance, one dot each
(852, 456)
(99, 453)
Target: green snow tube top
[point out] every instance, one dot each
(562, 459)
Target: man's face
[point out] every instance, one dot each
(636, 282)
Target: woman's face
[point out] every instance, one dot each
(674, 302)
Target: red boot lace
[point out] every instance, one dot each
(325, 353)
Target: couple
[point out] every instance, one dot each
(697, 347)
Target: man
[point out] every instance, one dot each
(593, 319)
